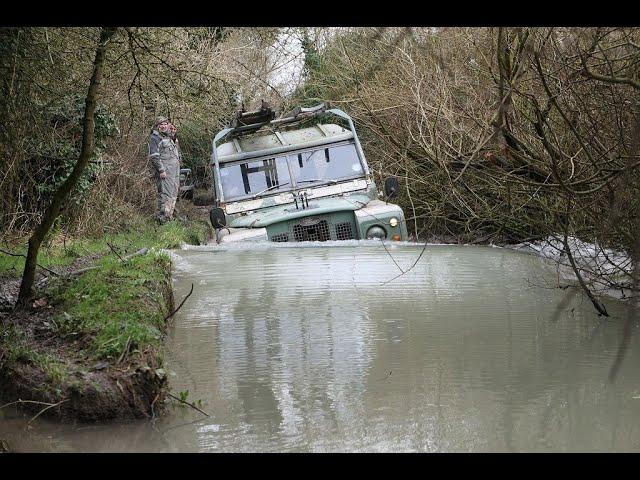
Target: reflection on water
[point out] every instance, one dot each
(304, 349)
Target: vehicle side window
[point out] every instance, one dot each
(231, 179)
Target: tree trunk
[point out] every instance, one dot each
(61, 195)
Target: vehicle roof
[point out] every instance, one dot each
(282, 140)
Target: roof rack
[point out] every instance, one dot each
(247, 122)
(298, 114)
(255, 117)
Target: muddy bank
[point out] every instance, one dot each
(90, 347)
(91, 393)
(43, 366)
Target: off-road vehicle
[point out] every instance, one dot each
(298, 178)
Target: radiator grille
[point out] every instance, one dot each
(318, 231)
(319, 228)
(344, 231)
(281, 237)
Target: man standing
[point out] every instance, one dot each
(173, 131)
(165, 157)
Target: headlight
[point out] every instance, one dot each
(376, 232)
(393, 222)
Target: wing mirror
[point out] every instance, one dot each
(217, 217)
(391, 188)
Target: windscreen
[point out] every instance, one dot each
(332, 163)
(250, 178)
(269, 176)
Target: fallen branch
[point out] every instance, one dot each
(113, 249)
(600, 308)
(80, 271)
(179, 306)
(27, 401)
(47, 408)
(190, 404)
(153, 413)
(142, 251)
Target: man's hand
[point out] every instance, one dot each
(163, 175)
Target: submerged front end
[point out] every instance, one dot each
(306, 184)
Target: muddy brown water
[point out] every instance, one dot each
(303, 348)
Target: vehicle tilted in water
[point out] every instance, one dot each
(297, 179)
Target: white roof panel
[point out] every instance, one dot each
(271, 140)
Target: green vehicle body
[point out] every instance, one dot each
(261, 192)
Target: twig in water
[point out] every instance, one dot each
(411, 267)
(45, 409)
(600, 308)
(153, 413)
(389, 253)
(26, 401)
(179, 306)
(190, 404)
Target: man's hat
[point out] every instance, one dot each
(160, 120)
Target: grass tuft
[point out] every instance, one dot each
(119, 307)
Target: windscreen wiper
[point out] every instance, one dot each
(333, 182)
(270, 188)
